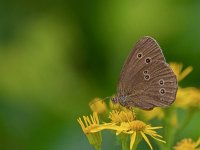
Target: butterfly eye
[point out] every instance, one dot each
(147, 77)
(161, 82)
(114, 99)
(145, 72)
(139, 55)
(162, 91)
(147, 60)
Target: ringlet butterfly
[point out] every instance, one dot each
(146, 80)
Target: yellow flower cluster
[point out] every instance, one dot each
(125, 125)
(178, 70)
(186, 97)
(187, 144)
(123, 122)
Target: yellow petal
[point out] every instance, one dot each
(96, 117)
(108, 126)
(133, 136)
(185, 73)
(85, 120)
(155, 127)
(157, 138)
(153, 133)
(88, 120)
(118, 132)
(197, 143)
(92, 119)
(146, 139)
(129, 132)
(81, 123)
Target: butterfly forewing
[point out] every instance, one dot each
(146, 49)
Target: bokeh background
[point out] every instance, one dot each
(55, 56)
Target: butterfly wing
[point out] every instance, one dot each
(158, 91)
(146, 49)
(147, 84)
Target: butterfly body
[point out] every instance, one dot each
(146, 80)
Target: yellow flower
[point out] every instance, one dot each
(139, 128)
(177, 68)
(115, 106)
(188, 97)
(98, 105)
(91, 124)
(187, 144)
(122, 116)
(91, 127)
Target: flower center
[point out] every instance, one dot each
(122, 116)
(137, 125)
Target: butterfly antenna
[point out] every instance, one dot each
(108, 97)
(94, 101)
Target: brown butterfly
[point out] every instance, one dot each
(146, 80)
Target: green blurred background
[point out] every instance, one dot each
(55, 56)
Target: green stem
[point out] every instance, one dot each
(98, 147)
(185, 122)
(137, 141)
(124, 141)
(124, 145)
(168, 130)
(135, 146)
(95, 140)
(173, 132)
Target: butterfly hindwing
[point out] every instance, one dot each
(159, 90)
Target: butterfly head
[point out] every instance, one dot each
(115, 99)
